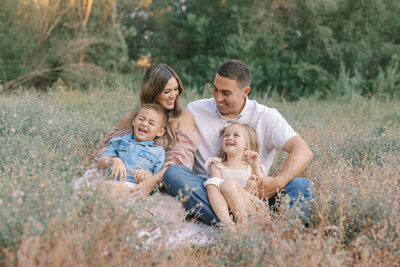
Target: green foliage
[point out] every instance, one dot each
(59, 40)
(299, 48)
(296, 48)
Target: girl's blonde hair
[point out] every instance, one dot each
(153, 84)
(250, 137)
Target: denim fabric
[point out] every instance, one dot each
(136, 155)
(182, 182)
(301, 193)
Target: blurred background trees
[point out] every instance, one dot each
(296, 47)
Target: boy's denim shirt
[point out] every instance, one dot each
(136, 155)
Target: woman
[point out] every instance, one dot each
(162, 85)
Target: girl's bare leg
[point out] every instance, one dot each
(219, 205)
(237, 199)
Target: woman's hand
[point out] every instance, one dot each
(118, 168)
(143, 189)
(141, 175)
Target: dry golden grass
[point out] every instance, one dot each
(47, 141)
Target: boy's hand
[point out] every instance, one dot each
(118, 168)
(252, 158)
(141, 175)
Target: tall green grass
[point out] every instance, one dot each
(48, 140)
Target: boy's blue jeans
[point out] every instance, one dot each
(181, 182)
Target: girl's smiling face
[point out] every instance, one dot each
(234, 140)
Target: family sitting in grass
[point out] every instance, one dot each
(215, 155)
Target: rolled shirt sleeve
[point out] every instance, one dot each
(280, 129)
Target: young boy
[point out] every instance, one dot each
(134, 157)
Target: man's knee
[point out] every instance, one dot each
(300, 185)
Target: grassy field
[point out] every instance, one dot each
(48, 140)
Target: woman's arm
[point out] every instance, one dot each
(185, 121)
(125, 122)
(147, 185)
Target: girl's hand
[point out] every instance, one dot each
(252, 158)
(141, 175)
(118, 168)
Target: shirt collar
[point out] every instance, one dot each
(144, 143)
(246, 106)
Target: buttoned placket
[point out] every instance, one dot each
(226, 121)
(131, 154)
(230, 121)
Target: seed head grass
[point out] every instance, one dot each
(48, 141)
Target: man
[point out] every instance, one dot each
(230, 104)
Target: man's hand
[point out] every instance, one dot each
(267, 187)
(141, 175)
(251, 185)
(118, 168)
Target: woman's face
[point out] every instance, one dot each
(169, 94)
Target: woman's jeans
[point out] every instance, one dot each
(181, 182)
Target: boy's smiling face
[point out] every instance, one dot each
(147, 125)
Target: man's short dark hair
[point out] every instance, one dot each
(236, 70)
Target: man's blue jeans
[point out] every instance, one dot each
(181, 182)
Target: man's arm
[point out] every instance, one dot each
(298, 159)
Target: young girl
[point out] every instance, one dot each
(234, 174)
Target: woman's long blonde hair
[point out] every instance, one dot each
(250, 137)
(153, 84)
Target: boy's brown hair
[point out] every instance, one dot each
(156, 107)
